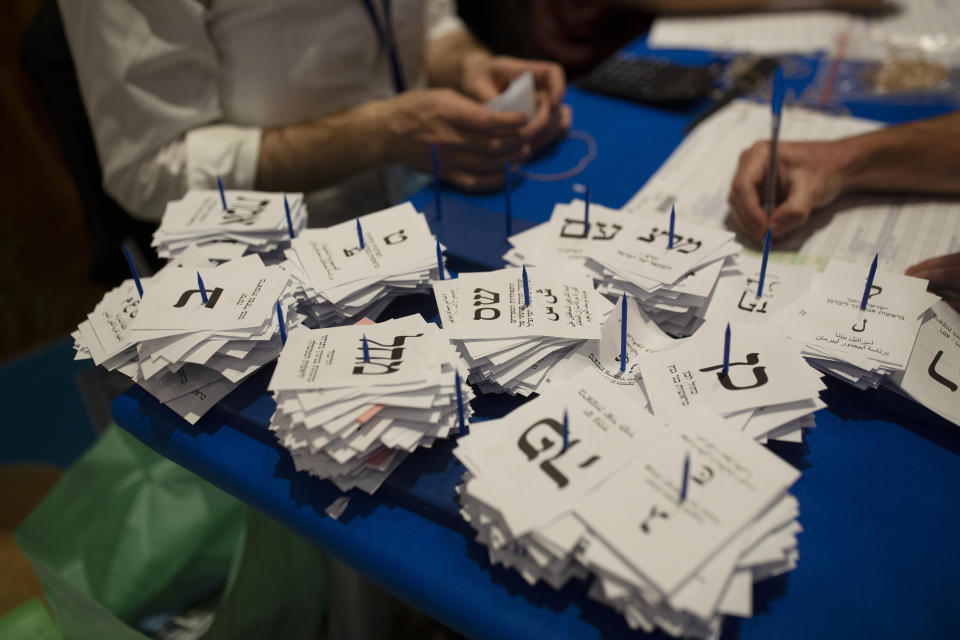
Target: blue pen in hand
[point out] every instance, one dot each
(776, 106)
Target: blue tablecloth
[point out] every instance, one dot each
(877, 556)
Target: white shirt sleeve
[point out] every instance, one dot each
(148, 76)
(442, 18)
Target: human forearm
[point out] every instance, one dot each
(317, 153)
(446, 56)
(915, 157)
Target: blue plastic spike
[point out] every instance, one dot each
(286, 208)
(526, 287)
(366, 348)
(440, 269)
(623, 334)
(203, 289)
(726, 350)
(360, 233)
(283, 328)
(133, 270)
(686, 477)
(763, 265)
(673, 220)
(870, 276)
(223, 196)
(566, 430)
(456, 375)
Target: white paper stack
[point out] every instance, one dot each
(860, 347)
(187, 353)
(253, 222)
(565, 238)
(508, 345)
(672, 285)
(352, 420)
(767, 393)
(608, 507)
(342, 283)
(932, 377)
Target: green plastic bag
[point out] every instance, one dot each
(127, 533)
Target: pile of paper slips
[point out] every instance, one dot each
(671, 524)
(353, 401)
(344, 279)
(512, 329)
(186, 346)
(251, 222)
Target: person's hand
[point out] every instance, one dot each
(809, 175)
(474, 143)
(485, 77)
(943, 273)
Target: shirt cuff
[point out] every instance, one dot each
(225, 151)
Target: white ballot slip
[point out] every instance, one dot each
(698, 174)
(252, 222)
(353, 417)
(932, 377)
(735, 297)
(520, 96)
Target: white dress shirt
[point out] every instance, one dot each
(179, 91)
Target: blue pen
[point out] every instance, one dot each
(673, 220)
(456, 375)
(203, 289)
(360, 233)
(283, 328)
(763, 265)
(566, 430)
(623, 334)
(440, 262)
(133, 270)
(366, 349)
(870, 276)
(726, 350)
(223, 196)
(776, 106)
(509, 213)
(526, 287)
(436, 182)
(286, 208)
(686, 476)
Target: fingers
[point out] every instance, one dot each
(472, 115)
(549, 76)
(792, 212)
(474, 182)
(746, 211)
(943, 272)
(540, 119)
(558, 125)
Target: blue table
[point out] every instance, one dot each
(877, 557)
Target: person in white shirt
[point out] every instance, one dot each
(331, 97)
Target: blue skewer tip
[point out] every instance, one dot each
(360, 233)
(763, 265)
(776, 103)
(283, 328)
(726, 350)
(870, 277)
(203, 289)
(686, 477)
(673, 220)
(223, 196)
(286, 208)
(366, 348)
(623, 334)
(459, 400)
(133, 270)
(526, 287)
(566, 430)
(440, 262)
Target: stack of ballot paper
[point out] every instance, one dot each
(932, 377)
(767, 392)
(858, 346)
(343, 282)
(568, 237)
(252, 222)
(351, 413)
(738, 298)
(672, 284)
(672, 524)
(188, 353)
(510, 345)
